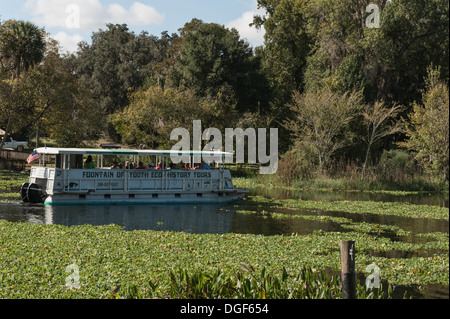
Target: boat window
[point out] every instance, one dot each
(59, 161)
(76, 161)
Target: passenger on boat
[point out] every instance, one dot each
(129, 165)
(115, 165)
(187, 166)
(151, 166)
(89, 163)
(172, 166)
(159, 166)
(205, 166)
(140, 166)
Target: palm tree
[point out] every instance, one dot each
(22, 45)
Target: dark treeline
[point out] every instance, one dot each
(347, 98)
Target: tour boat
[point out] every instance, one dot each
(61, 178)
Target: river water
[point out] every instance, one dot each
(206, 218)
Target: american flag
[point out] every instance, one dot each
(33, 156)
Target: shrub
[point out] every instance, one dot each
(396, 166)
(298, 163)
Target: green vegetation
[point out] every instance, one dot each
(307, 284)
(33, 259)
(428, 127)
(339, 184)
(167, 264)
(379, 208)
(11, 181)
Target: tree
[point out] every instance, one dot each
(377, 119)
(428, 127)
(390, 62)
(63, 106)
(287, 44)
(117, 63)
(412, 35)
(168, 49)
(49, 98)
(214, 59)
(284, 55)
(22, 46)
(14, 105)
(321, 120)
(153, 113)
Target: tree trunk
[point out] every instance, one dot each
(365, 161)
(5, 137)
(37, 137)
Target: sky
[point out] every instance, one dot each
(72, 21)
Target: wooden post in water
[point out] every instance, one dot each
(348, 276)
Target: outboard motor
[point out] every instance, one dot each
(23, 192)
(32, 193)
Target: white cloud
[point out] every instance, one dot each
(137, 14)
(144, 14)
(91, 14)
(68, 42)
(116, 13)
(254, 36)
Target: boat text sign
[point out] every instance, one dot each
(140, 174)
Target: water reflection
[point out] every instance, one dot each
(207, 218)
(187, 218)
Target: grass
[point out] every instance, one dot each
(339, 184)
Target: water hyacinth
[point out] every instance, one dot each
(360, 207)
(114, 263)
(111, 261)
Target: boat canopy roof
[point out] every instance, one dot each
(98, 151)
